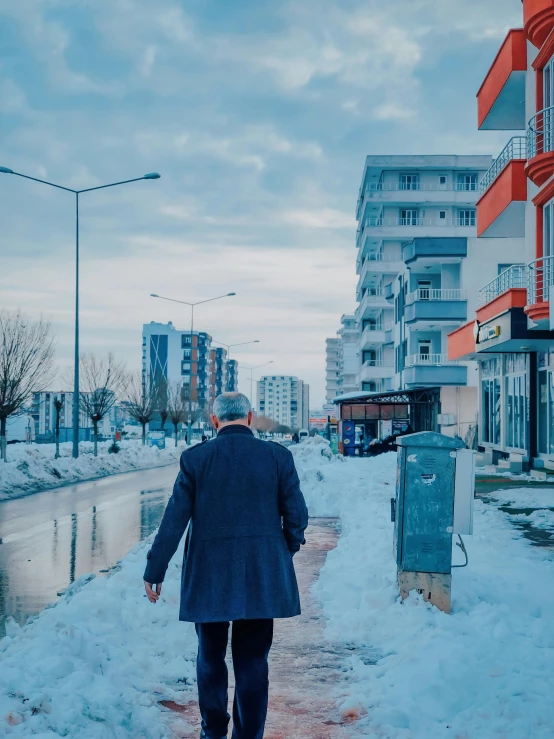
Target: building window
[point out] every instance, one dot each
(409, 216)
(442, 215)
(186, 340)
(409, 182)
(490, 395)
(466, 217)
(467, 181)
(443, 182)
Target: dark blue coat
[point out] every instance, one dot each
(247, 518)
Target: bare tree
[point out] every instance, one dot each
(101, 381)
(26, 364)
(177, 406)
(281, 429)
(140, 400)
(58, 405)
(263, 424)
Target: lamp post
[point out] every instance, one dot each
(251, 369)
(230, 346)
(191, 306)
(150, 176)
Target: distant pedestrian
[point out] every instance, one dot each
(204, 438)
(247, 519)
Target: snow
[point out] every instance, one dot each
(97, 664)
(32, 467)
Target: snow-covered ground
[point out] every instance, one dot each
(32, 467)
(96, 665)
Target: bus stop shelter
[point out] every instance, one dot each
(363, 416)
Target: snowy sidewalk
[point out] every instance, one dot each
(306, 671)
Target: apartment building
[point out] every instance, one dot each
(43, 412)
(285, 399)
(417, 264)
(332, 368)
(510, 332)
(179, 357)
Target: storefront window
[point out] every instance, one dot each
(546, 409)
(516, 400)
(490, 389)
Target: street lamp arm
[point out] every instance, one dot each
(44, 182)
(209, 300)
(113, 184)
(172, 300)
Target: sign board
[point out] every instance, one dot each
(485, 333)
(330, 411)
(156, 438)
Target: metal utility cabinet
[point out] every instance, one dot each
(434, 500)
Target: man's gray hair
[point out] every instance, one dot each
(231, 406)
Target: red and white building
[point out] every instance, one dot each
(511, 335)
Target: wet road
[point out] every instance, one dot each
(51, 538)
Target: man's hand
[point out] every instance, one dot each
(152, 595)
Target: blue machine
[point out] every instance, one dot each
(349, 437)
(434, 499)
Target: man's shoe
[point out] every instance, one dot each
(203, 735)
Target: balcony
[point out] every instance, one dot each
(503, 193)
(372, 300)
(515, 277)
(540, 146)
(540, 279)
(376, 265)
(424, 249)
(371, 336)
(430, 306)
(389, 333)
(432, 370)
(400, 228)
(389, 291)
(375, 369)
(501, 97)
(396, 192)
(538, 17)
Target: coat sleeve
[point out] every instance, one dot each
(292, 505)
(174, 522)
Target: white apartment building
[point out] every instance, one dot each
(43, 412)
(349, 337)
(419, 267)
(332, 369)
(342, 363)
(285, 399)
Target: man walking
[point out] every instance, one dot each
(247, 519)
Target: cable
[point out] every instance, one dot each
(464, 550)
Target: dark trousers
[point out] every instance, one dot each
(250, 644)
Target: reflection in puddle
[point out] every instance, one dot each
(70, 532)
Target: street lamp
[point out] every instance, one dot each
(149, 176)
(192, 306)
(251, 369)
(230, 346)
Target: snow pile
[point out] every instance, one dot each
(32, 467)
(483, 671)
(97, 663)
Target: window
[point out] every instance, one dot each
(466, 217)
(443, 182)
(442, 215)
(369, 386)
(490, 394)
(409, 182)
(548, 219)
(186, 340)
(467, 181)
(409, 216)
(187, 353)
(424, 349)
(424, 289)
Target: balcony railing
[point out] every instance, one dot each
(540, 133)
(436, 359)
(421, 186)
(540, 278)
(428, 293)
(516, 148)
(514, 276)
(376, 363)
(463, 221)
(383, 257)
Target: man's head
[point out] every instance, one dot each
(231, 408)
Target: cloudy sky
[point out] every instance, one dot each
(258, 114)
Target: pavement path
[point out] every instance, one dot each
(307, 673)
